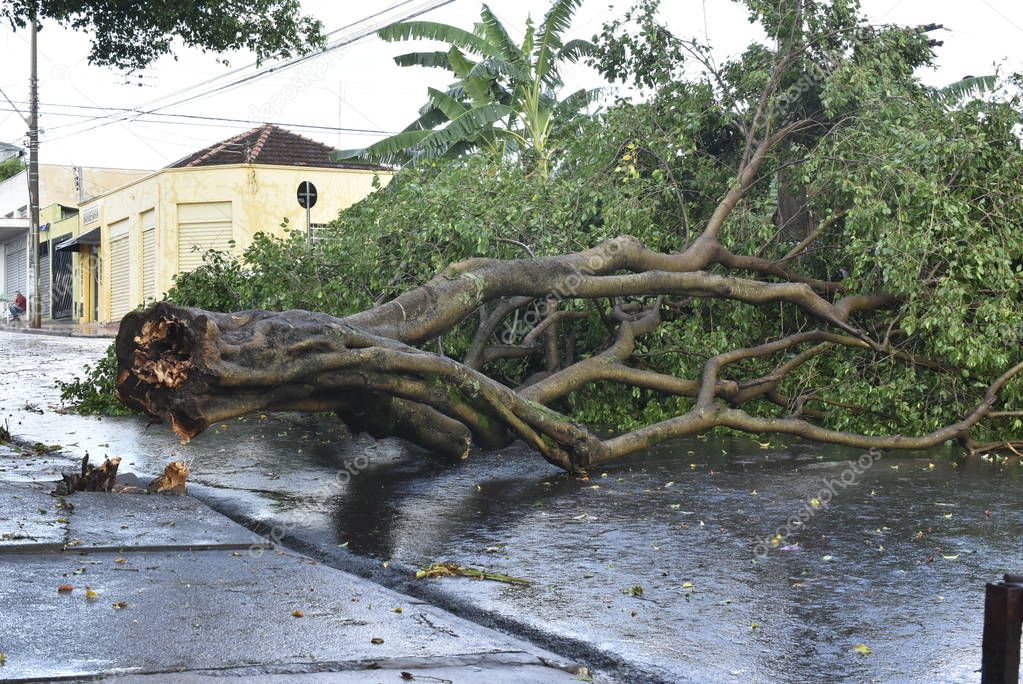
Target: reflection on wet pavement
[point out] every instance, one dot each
(653, 560)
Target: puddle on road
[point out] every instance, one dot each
(896, 560)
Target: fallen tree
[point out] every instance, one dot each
(837, 197)
(195, 368)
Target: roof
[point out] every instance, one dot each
(8, 151)
(268, 145)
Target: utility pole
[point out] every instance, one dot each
(35, 318)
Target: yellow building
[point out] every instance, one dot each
(61, 189)
(217, 198)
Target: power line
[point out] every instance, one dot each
(256, 64)
(430, 6)
(435, 4)
(15, 107)
(198, 117)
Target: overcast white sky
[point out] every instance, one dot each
(358, 86)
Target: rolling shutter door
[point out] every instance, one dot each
(16, 267)
(120, 290)
(202, 227)
(44, 283)
(148, 263)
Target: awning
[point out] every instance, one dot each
(90, 239)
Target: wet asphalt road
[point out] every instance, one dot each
(649, 570)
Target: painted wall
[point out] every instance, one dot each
(57, 186)
(260, 199)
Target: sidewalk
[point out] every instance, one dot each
(63, 329)
(163, 588)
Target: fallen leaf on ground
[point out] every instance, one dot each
(120, 605)
(687, 585)
(297, 614)
(121, 560)
(636, 591)
(91, 594)
(64, 588)
(863, 649)
(455, 570)
(376, 640)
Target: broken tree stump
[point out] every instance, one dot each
(90, 478)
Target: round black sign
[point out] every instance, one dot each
(306, 195)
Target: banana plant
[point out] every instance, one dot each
(966, 89)
(505, 96)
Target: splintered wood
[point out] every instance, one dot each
(160, 358)
(172, 480)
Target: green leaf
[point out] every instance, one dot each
(555, 22)
(430, 60)
(498, 37)
(432, 30)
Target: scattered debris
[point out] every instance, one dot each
(449, 569)
(90, 479)
(120, 605)
(64, 589)
(172, 480)
(297, 614)
(376, 641)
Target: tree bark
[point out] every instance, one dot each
(195, 368)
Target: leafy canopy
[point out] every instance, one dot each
(130, 35)
(9, 168)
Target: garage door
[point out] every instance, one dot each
(44, 282)
(148, 256)
(202, 227)
(120, 283)
(16, 268)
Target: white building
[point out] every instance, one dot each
(8, 151)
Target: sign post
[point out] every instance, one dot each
(306, 200)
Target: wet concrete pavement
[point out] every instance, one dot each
(98, 584)
(649, 570)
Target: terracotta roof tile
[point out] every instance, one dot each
(269, 145)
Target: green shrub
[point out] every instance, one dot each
(93, 393)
